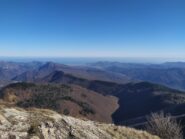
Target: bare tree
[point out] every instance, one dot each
(164, 126)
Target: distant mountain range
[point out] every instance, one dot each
(171, 74)
(77, 71)
(10, 69)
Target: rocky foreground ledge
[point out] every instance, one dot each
(17, 123)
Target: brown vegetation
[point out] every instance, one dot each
(164, 126)
(66, 99)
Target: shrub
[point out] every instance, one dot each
(33, 130)
(164, 126)
(66, 112)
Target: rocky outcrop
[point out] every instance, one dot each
(17, 123)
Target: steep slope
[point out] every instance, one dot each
(46, 124)
(66, 99)
(141, 99)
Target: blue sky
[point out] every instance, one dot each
(92, 28)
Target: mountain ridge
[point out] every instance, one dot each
(171, 74)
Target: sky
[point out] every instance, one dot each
(92, 28)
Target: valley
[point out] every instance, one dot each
(96, 93)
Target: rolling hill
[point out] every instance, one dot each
(135, 99)
(66, 99)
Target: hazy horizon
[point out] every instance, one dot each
(85, 60)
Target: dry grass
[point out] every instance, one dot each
(164, 126)
(118, 132)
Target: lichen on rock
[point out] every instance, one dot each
(17, 123)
